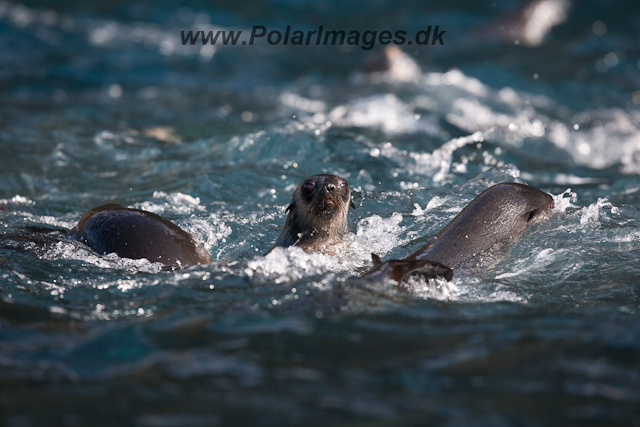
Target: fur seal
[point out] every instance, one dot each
(317, 220)
(134, 233)
(494, 219)
(390, 65)
(317, 215)
(528, 25)
(497, 216)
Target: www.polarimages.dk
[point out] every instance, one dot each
(365, 39)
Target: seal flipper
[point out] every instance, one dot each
(398, 269)
(377, 261)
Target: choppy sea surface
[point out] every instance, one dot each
(101, 103)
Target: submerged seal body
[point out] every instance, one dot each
(134, 233)
(317, 215)
(493, 220)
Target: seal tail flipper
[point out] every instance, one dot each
(398, 269)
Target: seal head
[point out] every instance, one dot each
(317, 215)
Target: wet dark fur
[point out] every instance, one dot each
(134, 233)
(317, 215)
(492, 221)
(496, 217)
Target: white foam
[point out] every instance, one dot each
(285, 265)
(374, 235)
(18, 200)
(50, 220)
(76, 251)
(172, 203)
(564, 201)
(461, 290)
(438, 163)
(594, 214)
(384, 112)
(293, 100)
(458, 79)
(435, 202)
(542, 258)
(596, 138)
(212, 231)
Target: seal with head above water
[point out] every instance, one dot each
(494, 219)
(317, 220)
(134, 233)
(317, 216)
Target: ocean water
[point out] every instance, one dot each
(101, 103)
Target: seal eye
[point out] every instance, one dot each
(308, 187)
(532, 215)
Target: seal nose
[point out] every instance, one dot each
(330, 188)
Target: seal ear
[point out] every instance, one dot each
(353, 205)
(376, 259)
(291, 206)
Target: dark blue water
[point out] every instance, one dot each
(100, 103)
